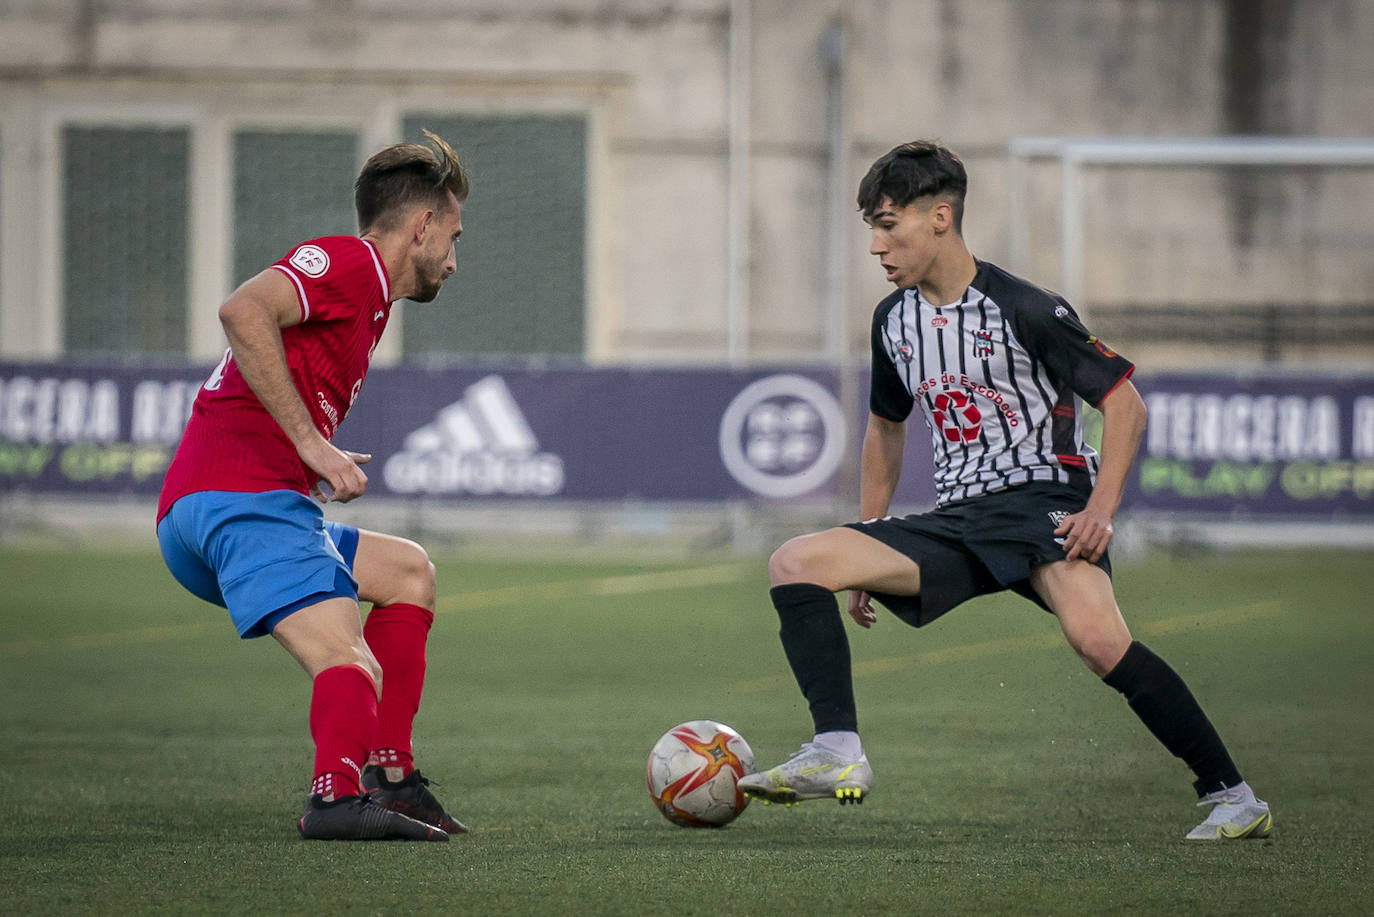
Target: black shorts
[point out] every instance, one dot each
(976, 547)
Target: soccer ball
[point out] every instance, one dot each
(692, 774)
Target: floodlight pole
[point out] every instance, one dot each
(833, 304)
(737, 188)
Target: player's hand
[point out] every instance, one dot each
(1086, 535)
(341, 479)
(861, 608)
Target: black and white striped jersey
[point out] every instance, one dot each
(995, 375)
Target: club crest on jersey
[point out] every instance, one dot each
(905, 350)
(310, 260)
(982, 343)
(1101, 347)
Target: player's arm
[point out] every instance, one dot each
(253, 317)
(880, 467)
(1087, 533)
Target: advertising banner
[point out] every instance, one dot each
(1272, 445)
(451, 434)
(98, 431)
(1266, 445)
(601, 434)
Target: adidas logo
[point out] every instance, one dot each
(480, 445)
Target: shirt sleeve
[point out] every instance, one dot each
(1075, 358)
(334, 277)
(887, 396)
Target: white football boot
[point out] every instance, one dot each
(815, 772)
(1236, 814)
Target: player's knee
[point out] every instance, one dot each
(790, 563)
(419, 576)
(428, 583)
(1100, 652)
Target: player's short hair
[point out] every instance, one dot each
(914, 170)
(407, 175)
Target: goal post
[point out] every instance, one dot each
(1075, 154)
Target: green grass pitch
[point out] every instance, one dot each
(156, 764)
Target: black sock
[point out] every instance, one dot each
(818, 651)
(1168, 709)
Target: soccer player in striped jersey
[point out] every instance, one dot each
(236, 522)
(997, 368)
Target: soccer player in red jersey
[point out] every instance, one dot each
(236, 522)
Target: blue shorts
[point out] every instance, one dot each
(261, 555)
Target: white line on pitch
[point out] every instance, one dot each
(1222, 617)
(627, 584)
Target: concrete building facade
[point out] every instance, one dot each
(722, 144)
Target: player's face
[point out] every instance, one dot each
(438, 259)
(904, 240)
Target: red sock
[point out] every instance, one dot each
(343, 722)
(397, 635)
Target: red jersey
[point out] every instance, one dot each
(231, 442)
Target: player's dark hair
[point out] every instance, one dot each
(914, 170)
(407, 175)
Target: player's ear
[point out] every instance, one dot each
(422, 223)
(942, 215)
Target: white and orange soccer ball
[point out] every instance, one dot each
(692, 774)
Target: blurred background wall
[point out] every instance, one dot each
(672, 181)
(669, 184)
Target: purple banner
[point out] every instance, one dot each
(601, 434)
(1263, 445)
(91, 430)
(584, 434)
